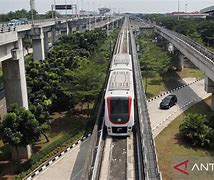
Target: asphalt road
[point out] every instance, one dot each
(187, 96)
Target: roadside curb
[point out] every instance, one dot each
(175, 89)
(49, 162)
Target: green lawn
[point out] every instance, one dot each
(190, 72)
(157, 85)
(172, 149)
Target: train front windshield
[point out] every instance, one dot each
(119, 110)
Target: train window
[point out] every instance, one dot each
(119, 109)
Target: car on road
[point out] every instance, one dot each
(17, 22)
(168, 102)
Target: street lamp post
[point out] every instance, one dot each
(66, 12)
(186, 7)
(55, 11)
(32, 8)
(178, 8)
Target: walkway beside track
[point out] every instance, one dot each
(68, 166)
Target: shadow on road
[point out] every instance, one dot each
(80, 161)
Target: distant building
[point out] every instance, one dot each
(87, 13)
(209, 10)
(103, 11)
(32, 4)
(190, 14)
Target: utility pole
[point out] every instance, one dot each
(186, 8)
(82, 4)
(55, 11)
(52, 11)
(178, 9)
(32, 8)
(66, 10)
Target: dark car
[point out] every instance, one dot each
(168, 102)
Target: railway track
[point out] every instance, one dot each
(116, 156)
(120, 158)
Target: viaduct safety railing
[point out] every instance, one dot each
(149, 156)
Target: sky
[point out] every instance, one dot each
(142, 6)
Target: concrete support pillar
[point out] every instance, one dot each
(82, 28)
(117, 24)
(107, 28)
(63, 32)
(70, 28)
(209, 88)
(86, 27)
(14, 78)
(120, 22)
(59, 32)
(180, 62)
(67, 28)
(74, 29)
(78, 28)
(95, 22)
(38, 45)
(53, 35)
(21, 152)
(171, 48)
(46, 46)
(212, 102)
(113, 25)
(164, 43)
(89, 24)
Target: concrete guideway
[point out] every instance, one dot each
(187, 96)
(118, 159)
(200, 56)
(105, 166)
(67, 167)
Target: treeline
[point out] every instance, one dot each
(153, 60)
(26, 14)
(198, 29)
(68, 75)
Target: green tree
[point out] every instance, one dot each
(86, 81)
(195, 130)
(52, 14)
(153, 60)
(20, 127)
(50, 81)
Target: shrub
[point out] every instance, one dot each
(195, 130)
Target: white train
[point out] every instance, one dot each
(121, 61)
(119, 97)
